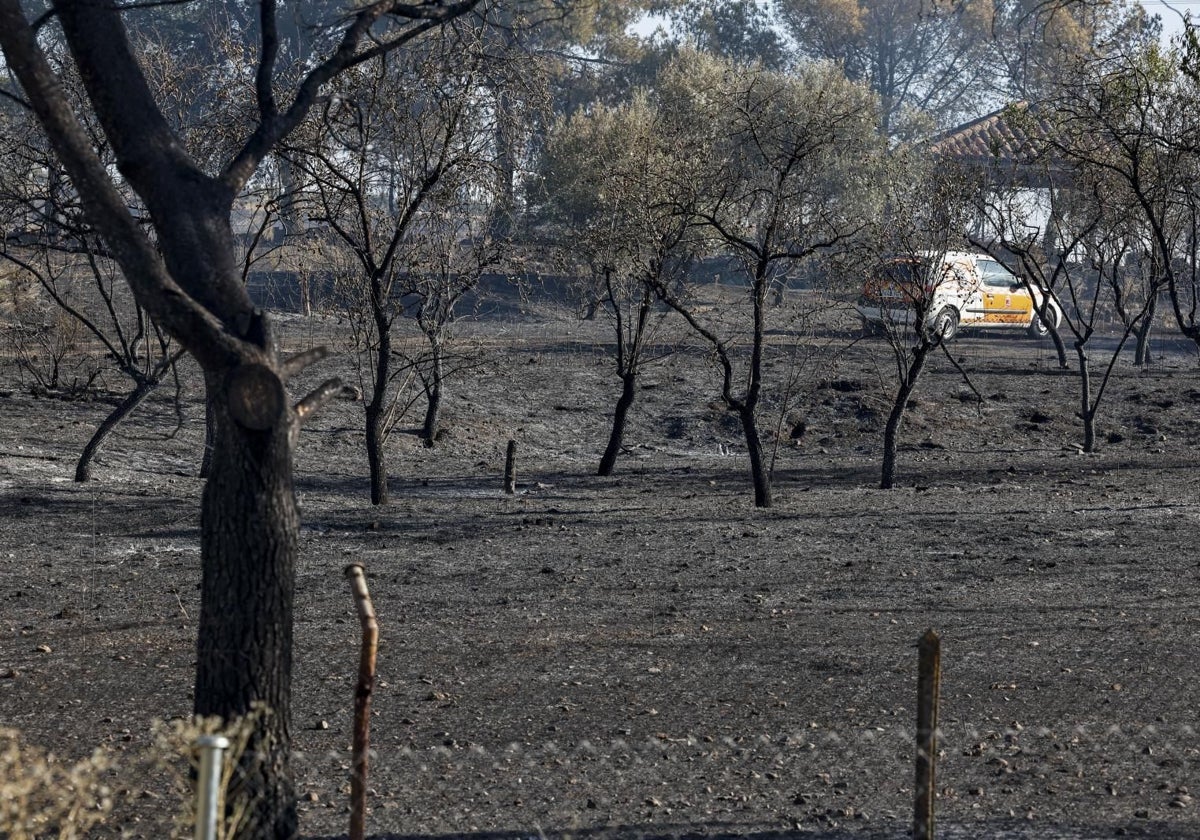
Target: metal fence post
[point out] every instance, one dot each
(208, 785)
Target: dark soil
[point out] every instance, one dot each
(649, 655)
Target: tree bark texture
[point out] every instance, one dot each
(748, 408)
(376, 407)
(608, 460)
(1145, 328)
(248, 526)
(376, 461)
(758, 465)
(209, 440)
(891, 431)
(1087, 413)
(433, 393)
(83, 468)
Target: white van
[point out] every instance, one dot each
(964, 290)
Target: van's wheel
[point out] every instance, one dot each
(945, 325)
(1039, 328)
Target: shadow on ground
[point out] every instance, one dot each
(995, 830)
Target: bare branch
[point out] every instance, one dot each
(264, 77)
(329, 390)
(294, 364)
(153, 286)
(271, 131)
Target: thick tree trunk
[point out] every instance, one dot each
(758, 468)
(628, 391)
(83, 469)
(1141, 353)
(248, 525)
(433, 408)
(209, 440)
(891, 431)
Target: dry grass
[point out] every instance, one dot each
(42, 796)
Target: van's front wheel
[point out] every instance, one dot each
(944, 326)
(1038, 328)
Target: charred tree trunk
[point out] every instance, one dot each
(748, 409)
(433, 408)
(758, 469)
(891, 431)
(209, 439)
(248, 526)
(376, 407)
(1145, 327)
(1087, 412)
(433, 393)
(1060, 348)
(1141, 353)
(628, 392)
(376, 462)
(83, 469)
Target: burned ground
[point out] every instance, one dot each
(648, 654)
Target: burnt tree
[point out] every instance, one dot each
(188, 280)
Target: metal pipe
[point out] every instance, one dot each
(208, 785)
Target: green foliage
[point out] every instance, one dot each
(740, 31)
(783, 161)
(739, 151)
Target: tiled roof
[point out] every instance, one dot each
(1013, 139)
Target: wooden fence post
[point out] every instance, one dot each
(362, 701)
(929, 679)
(510, 468)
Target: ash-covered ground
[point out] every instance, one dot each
(648, 654)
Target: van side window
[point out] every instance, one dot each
(995, 274)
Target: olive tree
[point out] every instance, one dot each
(399, 151)
(87, 319)
(187, 279)
(907, 259)
(779, 169)
(606, 195)
(1094, 277)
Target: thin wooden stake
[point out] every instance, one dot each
(510, 468)
(362, 701)
(929, 679)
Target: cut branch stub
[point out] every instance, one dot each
(256, 396)
(328, 390)
(294, 364)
